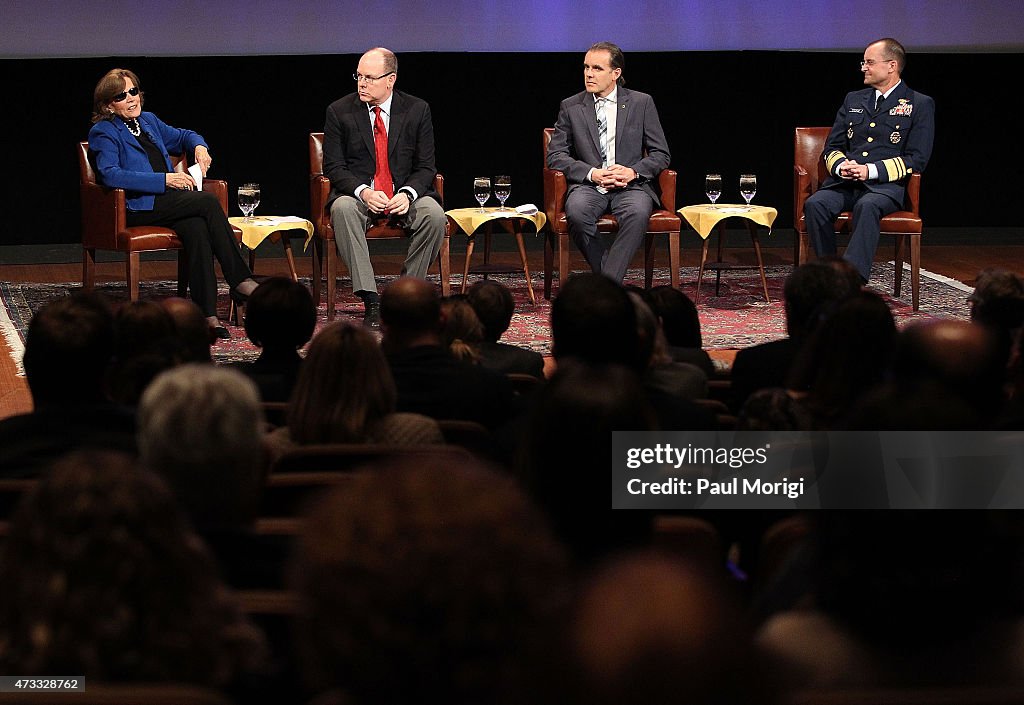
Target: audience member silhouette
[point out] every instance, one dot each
(193, 333)
(201, 429)
(279, 318)
(650, 628)
(997, 303)
(145, 344)
(680, 379)
(904, 598)
(565, 457)
(811, 293)
(494, 307)
(428, 583)
(345, 394)
(461, 330)
(844, 359)
(947, 375)
(681, 326)
(68, 349)
(593, 320)
(103, 578)
(428, 378)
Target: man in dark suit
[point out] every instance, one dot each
(609, 143)
(379, 156)
(881, 135)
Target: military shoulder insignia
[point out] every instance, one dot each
(904, 108)
(895, 137)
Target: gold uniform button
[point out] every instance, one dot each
(872, 124)
(871, 139)
(864, 154)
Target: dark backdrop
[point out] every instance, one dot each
(729, 112)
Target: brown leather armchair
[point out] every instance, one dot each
(664, 220)
(808, 174)
(104, 226)
(319, 190)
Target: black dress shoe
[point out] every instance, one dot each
(371, 317)
(220, 333)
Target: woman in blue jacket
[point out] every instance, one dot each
(131, 151)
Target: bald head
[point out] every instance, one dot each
(190, 326)
(410, 310)
(385, 55)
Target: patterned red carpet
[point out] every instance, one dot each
(736, 318)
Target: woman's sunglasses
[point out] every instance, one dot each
(124, 94)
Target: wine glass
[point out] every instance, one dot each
(502, 189)
(481, 191)
(748, 187)
(713, 188)
(248, 199)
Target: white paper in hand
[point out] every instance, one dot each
(196, 172)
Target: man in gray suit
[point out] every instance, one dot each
(609, 143)
(379, 156)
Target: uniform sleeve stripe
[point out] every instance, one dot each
(833, 158)
(895, 168)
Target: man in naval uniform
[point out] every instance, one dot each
(881, 135)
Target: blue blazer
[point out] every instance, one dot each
(121, 162)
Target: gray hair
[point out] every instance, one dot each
(201, 427)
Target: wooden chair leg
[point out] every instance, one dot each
(674, 259)
(898, 257)
(330, 264)
(88, 268)
(915, 270)
(132, 267)
(648, 260)
(445, 265)
(318, 272)
(563, 258)
(549, 261)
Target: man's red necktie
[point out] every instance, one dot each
(381, 177)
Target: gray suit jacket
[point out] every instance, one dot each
(639, 140)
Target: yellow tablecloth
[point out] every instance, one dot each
(263, 227)
(704, 220)
(469, 219)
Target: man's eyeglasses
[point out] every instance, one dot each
(358, 77)
(872, 62)
(124, 94)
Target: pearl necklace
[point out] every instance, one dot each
(138, 128)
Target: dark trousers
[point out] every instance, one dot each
(632, 209)
(205, 233)
(867, 209)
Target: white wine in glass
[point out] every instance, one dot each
(481, 191)
(248, 199)
(502, 189)
(748, 187)
(713, 188)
